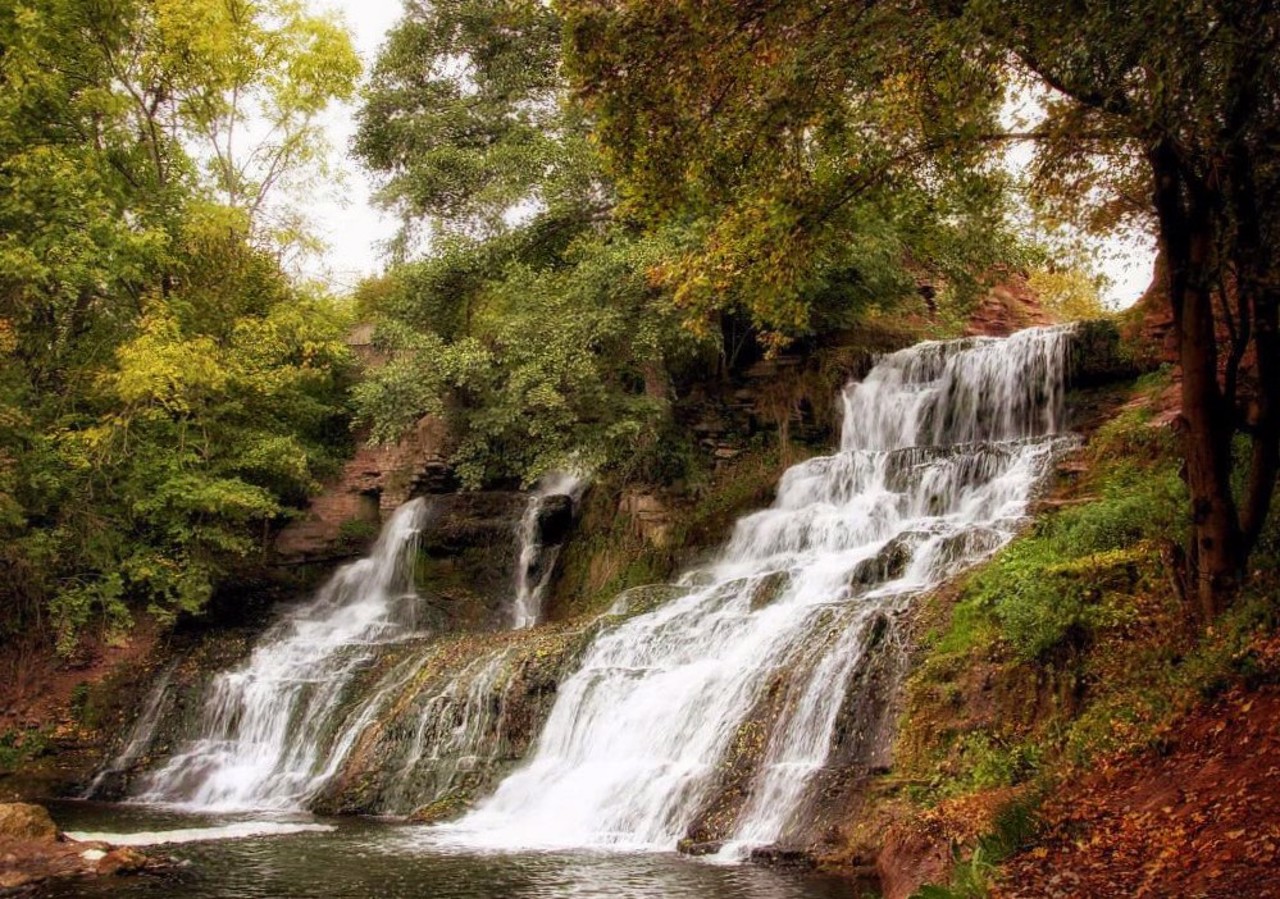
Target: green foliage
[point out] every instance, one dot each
(19, 747)
(1052, 587)
(1071, 294)
(557, 310)
(165, 392)
(549, 357)
(357, 532)
(824, 153)
(464, 116)
(986, 763)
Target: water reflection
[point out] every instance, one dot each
(361, 858)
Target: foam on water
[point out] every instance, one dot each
(236, 831)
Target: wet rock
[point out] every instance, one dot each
(889, 563)
(25, 863)
(646, 597)
(468, 549)
(123, 860)
(782, 857)
(461, 521)
(555, 519)
(26, 821)
(650, 516)
(689, 846)
(769, 589)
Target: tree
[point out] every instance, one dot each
(240, 82)
(824, 152)
(165, 392)
(465, 117)
(532, 323)
(1192, 90)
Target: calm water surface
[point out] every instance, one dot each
(363, 858)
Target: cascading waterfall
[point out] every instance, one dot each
(942, 447)
(455, 733)
(276, 730)
(265, 725)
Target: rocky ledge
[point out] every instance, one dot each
(32, 851)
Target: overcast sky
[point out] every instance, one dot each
(346, 219)
(344, 215)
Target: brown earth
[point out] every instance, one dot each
(1196, 817)
(36, 685)
(38, 694)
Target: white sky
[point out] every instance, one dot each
(344, 214)
(353, 229)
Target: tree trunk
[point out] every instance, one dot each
(1265, 457)
(1258, 301)
(1186, 236)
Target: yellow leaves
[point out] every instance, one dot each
(163, 368)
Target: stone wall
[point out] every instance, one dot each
(380, 477)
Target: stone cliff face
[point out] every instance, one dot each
(378, 479)
(1009, 306)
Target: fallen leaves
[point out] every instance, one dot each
(1201, 820)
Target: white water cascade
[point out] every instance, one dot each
(266, 728)
(943, 446)
(535, 563)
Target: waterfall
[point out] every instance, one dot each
(458, 730)
(265, 725)
(536, 562)
(942, 447)
(138, 740)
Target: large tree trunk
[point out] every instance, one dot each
(1186, 236)
(1258, 311)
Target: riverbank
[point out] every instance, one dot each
(34, 852)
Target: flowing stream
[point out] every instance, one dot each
(943, 445)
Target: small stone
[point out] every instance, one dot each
(10, 880)
(124, 860)
(93, 855)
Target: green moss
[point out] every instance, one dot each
(18, 748)
(609, 554)
(355, 533)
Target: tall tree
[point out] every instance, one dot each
(465, 118)
(1192, 91)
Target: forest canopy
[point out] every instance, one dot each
(167, 389)
(601, 202)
